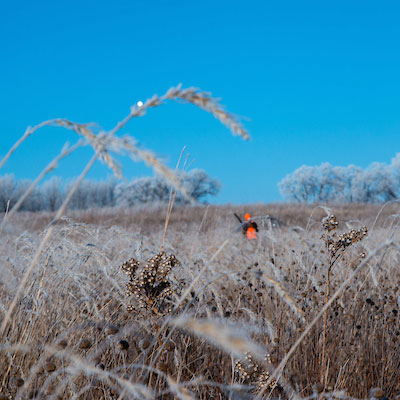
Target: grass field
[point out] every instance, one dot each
(233, 319)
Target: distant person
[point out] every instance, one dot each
(250, 227)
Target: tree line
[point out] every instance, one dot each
(378, 183)
(96, 194)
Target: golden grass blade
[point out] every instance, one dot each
(171, 202)
(231, 339)
(206, 102)
(79, 128)
(284, 295)
(181, 392)
(96, 141)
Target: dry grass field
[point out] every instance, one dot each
(228, 318)
(146, 303)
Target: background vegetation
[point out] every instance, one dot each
(377, 183)
(110, 193)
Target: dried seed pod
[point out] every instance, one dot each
(123, 345)
(85, 344)
(144, 344)
(97, 359)
(62, 344)
(318, 388)
(50, 367)
(163, 367)
(169, 346)
(18, 382)
(112, 329)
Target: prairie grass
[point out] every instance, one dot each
(71, 335)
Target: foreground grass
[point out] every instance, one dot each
(71, 335)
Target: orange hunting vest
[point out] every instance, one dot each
(251, 233)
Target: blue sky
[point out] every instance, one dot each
(317, 81)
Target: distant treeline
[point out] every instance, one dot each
(377, 183)
(50, 195)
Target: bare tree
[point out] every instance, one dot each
(8, 191)
(53, 193)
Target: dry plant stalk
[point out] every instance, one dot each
(171, 202)
(284, 295)
(336, 244)
(230, 339)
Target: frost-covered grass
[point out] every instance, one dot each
(70, 335)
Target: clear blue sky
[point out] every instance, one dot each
(318, 81)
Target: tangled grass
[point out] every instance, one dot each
(72, 334)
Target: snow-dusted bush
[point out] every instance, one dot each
(379, 182)
(155, 189)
